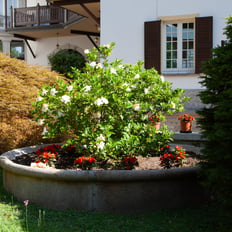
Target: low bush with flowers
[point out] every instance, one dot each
(172, 157)
(85, 162)
(129, 163)
(107, 107)
(186, 118)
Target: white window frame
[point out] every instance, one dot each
(179, 69)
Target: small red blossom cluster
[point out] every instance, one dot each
(129, 163)
(186, 117)
(47, 154)
(50, 148)
(155, 118)
(85, 162)
(174, 159)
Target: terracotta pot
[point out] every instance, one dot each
(185, 126)
(157, 125)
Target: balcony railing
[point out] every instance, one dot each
(41, 16)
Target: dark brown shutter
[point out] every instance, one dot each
(152, 45)
(204, 41)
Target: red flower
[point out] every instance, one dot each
(128, 167)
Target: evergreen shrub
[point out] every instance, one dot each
(216, 120)
(63, 61)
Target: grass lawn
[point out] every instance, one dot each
(15, 217)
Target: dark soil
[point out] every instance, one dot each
(65, 160)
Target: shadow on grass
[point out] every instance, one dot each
(206, 218)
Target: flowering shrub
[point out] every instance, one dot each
(85, 163)
(186, 118)
(107, 106)
(129, 163)
(173, 158)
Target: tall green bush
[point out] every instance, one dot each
(216, 121)
(108, 107)
(63, 61)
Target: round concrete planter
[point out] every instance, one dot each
(106, 191)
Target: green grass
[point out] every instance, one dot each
(206, 218)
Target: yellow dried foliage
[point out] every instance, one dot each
(19, 86)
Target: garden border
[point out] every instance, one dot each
(124, 191)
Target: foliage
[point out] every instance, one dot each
(19, 86)
(107, 107)
(172, 158)
(186, 118)
(63, 61)
(216, 123)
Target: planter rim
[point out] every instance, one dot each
(89, 175)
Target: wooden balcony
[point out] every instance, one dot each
(41, 16)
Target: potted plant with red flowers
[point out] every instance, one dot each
(155, 119)
(186, 123)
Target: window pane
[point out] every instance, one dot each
(0, 46)
(191, 25)
(168, 64)
(17, 49)
(168, 55)
(184, 54)
(174, 64)
(175, 46)
(191, 45)
(190, 35)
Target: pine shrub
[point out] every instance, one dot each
(216, 121)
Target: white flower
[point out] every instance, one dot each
(45, 107)
(86, 51)
(146, 90)
(173, 105)
(39, 98)
(87, 88)
(136, 107)
(137, 76)
(128, 89)
(44, 131)
(101, 101)
(53, 91)
(162, 78)
(134, 86)
(101, 138)
(106, 45)
(40, 122)
(70, 88)
(120, 66)
(99, 65)
(44, 92)
(93, 64)
(97, 115)
(65, 99)
(113, 71)
(39, 165)
(100, 145)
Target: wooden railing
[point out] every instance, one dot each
(41, 15)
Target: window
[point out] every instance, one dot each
(0, 46)
(2, 18)
(17, 49)
(178, 46)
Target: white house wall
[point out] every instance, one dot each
(44, 47)
(122, 22)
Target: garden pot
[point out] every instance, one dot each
(120, 191)
(185, 126)
(157, 125)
